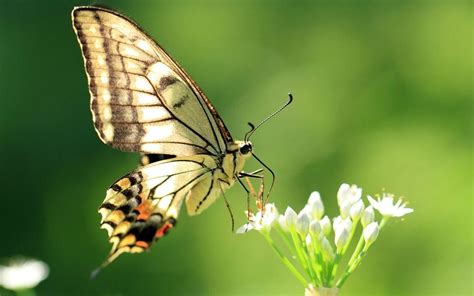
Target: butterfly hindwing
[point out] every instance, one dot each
(140, 207)
(141, 100)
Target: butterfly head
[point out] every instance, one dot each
(245, 147)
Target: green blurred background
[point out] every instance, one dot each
(383, 99)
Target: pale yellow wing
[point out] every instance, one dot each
(141, 207)
(141, 100)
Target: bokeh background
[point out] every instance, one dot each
(383, 99)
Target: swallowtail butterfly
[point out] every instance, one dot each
(143, 101)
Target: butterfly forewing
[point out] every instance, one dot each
(141, 99)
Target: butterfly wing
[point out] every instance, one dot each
(141, 100)
(143, 205)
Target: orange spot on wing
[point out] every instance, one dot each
(163, 229)
(142, 244)
(145, 209)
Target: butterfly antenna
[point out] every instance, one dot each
(250, 133)
(252, 128)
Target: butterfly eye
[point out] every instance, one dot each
(246, 148)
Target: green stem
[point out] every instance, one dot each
(286, 261)
(299, 253)
(287, 239)
(333, 269)
(307, 258)
(350, 266)
(360, 245)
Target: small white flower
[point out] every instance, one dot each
(315, 205)
(388, 208)
(262, 221)
(290, 217)
(325, 225)
(342, 223)
(341, 238)
(326, 250)
(302, 224)
(348, 194)
(23, 274)
(368, 216)
(371, 233)
(315, 228)
(356, 210)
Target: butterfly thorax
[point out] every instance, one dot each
(234, 160)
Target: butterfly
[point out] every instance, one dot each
(143, 101)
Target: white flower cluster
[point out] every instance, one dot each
(309, 232)
(22, 274)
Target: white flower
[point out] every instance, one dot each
(348, 194)
(356, 210)
(326, 250)
(341, 238)
(388, 208)
(325, 225)
(262, 221)
(23, 274)
(290, 217)
(371, 233)
(368, 216)
(342, 223)
(302, 224)
(315, 205)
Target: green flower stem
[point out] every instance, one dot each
(285, 260)
(350, 269)
(318, 261)
(300, 254)
(287, 239)
(317, 258)
(358, 249)
(350, 266)
(333, 269)
(354, 228)
(307, 257)
(383, 222)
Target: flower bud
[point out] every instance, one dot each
(336, 222)
(370, 234)
(302, 224)
(345, 210)
(325, 225)
(290, 217)
(316, 205)
(356, 210)
(368, 216)
(327, 250)
(341, 238)
(315, 228)
(348, 194)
